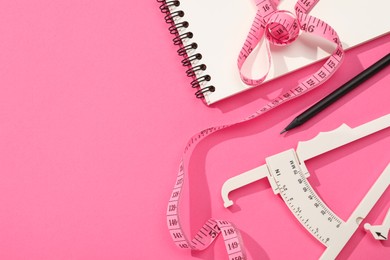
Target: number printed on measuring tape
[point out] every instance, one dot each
(279, 27)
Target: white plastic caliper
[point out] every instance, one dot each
(380, 232)
(287, 175)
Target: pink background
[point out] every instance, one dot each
(95, 110)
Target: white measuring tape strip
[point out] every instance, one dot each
(279, 27)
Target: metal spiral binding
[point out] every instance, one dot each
(174, 16)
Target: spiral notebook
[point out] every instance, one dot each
(210, 33)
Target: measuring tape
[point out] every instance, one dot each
(287, 175)
(279, 27)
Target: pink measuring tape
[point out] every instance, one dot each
(280, 28)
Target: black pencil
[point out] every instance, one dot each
(338, 93)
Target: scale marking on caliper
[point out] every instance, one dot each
(287, 175)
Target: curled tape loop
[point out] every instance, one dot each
(282, 28)
(278, 27)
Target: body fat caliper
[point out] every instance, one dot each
(287, 173)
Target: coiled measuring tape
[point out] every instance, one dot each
(278, 27)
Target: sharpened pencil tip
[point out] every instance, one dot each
(284, 130)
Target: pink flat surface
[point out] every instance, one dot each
(95, 110)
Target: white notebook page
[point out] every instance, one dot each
(220, 28)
